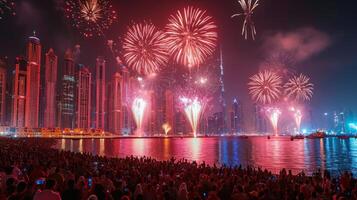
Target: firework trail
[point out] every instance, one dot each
(273, 114)
(138, 109)
(7, 7)
(299, 88)
(297, 117)
(90, 17)
(167, 128)
(145, 48)
(248, 7)
(265, 86)
(192, 36)
(193, 108)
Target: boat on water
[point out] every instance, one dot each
(317, 135)
(298, 137)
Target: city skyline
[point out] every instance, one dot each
(320, 104)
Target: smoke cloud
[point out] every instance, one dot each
(301, 44)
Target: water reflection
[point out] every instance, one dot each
(330, 153)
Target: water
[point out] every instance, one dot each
(333, 154)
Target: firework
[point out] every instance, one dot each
(299, 88)
(297, 117)
(90, 17)
(138, 109)
(7, 7)
(167, 128)
(248, 7)
(273, 114)
(265, 86)
(193, 108)
(145, 49)
(192, 36)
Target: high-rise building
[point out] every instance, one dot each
(222, 96)
(152, 126)
(126, 107)
(67, 94)
(2, 93)
(84, 98)
(259, 119)
(100, 94)
(19, 93)
(115, 104)
(169, 116)
(236, 116)
(50, 89)
(33, 82)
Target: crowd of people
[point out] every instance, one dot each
(31, 169)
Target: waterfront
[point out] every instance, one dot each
(330, 153)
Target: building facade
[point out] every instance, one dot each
(100, 94)
(2, 93)
(50, 90)
(33, 82)
(83, 107)
(19, 93)
(115, 104)
(67, 93)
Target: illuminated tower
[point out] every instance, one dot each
(126, 108)
(221, 98)
(67, 102)
(152, 116)
(50, 89)
(236, 116)
(19, 93)
(100, 94)
(2, 93)
(84, 98)
(169, 108)
(33, 82)
(115, 103)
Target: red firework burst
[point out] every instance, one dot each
(145, 49)
(265, 87)
(90, 17)
(192, 36)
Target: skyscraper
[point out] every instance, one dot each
(236, 116)
(115, 103)
(126, 107)
(2, 93)
(50, 89)
(33, 82)
(84, 98)
(152, 126)
(19, 93)
(169, 108)
(67, 99)
(100, 94)
(259, 119)
(222, 97)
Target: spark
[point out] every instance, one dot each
(7, 7)
(273, 114)
(138, 109)
(192, 36)
(145, 49)
(193, 108)
(265, 86)
(299, 88)
(248, 7)
(297, 117)
(167, 128)
(90, 17)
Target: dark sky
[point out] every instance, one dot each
(331, 64)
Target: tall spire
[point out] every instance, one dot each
(222, 99)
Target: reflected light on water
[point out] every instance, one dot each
(279, 152)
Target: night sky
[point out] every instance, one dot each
(326, 27)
